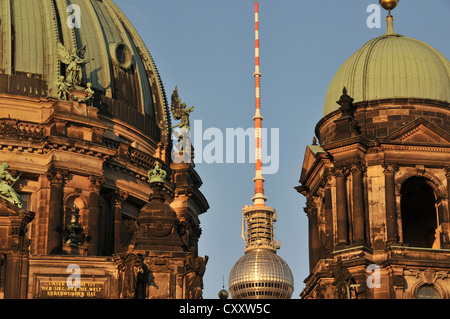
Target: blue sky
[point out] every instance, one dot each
(206, 48)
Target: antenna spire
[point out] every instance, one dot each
(259, 199)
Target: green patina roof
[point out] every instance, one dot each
(36, 33)
(316, 149)
(391, 66)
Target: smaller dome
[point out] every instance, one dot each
(261, 274)
(158, 224)
(391, 66)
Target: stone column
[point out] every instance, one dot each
(391, 203)
(95, 184)
(358, 202)
(444, 214)
(314, 244)
(119, 197)
(12, 276)
(340, 175)
(447, 175)
(56, 177)
(329, 218)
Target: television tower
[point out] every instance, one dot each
(260, 273)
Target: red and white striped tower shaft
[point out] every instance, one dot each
(259, 199)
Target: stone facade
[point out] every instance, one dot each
(83, 160)
(377, 191)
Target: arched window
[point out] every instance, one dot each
(418, 210)
(427, 292)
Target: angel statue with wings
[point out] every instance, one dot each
(74, 61)
(180, 112)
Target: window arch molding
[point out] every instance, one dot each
(434, 182)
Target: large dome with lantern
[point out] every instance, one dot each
(120, 69)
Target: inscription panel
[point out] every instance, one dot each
(57, 288)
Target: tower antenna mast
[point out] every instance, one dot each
(259, 199)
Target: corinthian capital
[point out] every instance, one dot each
(447, 171)
(96, 182)
(119, 196)
(358, 167)
(57, 175)
(340, 171)
(390, 168)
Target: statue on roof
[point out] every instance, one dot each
(63, 88)
(6, 190)
(179, 111)
(182, 113)
(74, 61)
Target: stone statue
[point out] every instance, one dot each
(195, 267)
(157, 175)
(90, 93)
(179, 111)
(63, 88)
(74, 61)
(345, 284)
(6, 190)
(133, 277)
(74, 228)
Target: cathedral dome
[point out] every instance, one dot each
(391, 66)
(121, 70)
(261, 274)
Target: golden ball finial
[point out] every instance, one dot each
(389, 4)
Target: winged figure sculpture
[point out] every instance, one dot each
(74, 61)
(179, 111)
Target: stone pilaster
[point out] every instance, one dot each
(313, 231)
(391, 203)
(57, 178)
(95, 185)
(118, 199)
(340, 174)
(357, 171)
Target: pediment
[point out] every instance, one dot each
(311, 154)
(420, 131)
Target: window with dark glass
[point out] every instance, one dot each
(418, 211)
(428, 292)
(26, 201)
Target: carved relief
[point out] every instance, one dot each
(96, 182)
(161, 265)
(429, 276)
(358, 167)
(119, 197)
(344, 283)
(57, 175)
(340, 171)
(390, 168)
(133, 276)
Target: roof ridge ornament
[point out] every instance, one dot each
(157, 174)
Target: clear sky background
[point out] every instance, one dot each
(206, 48)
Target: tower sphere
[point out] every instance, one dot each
(261, 274)
(389, 4)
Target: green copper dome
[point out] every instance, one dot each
(391, 66)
